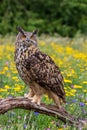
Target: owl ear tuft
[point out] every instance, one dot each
(21, 30)
(33, 33)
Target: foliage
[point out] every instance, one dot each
(71, 57)
(65, 17)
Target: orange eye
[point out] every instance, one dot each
(23, 36)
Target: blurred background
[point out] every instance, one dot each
(63, 17)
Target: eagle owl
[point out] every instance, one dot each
(37, 69)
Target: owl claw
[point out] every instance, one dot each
(30, 98)
(36, 99)
(38, 103)
(27, 96)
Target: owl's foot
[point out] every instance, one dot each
(29, 95)
(36, 99)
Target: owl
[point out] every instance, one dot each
(37, 69)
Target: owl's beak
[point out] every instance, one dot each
(21, 30)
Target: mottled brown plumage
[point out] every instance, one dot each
(37, 69)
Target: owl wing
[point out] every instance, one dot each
(44, 71)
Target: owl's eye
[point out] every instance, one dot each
(23, 36)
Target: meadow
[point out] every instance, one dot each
(71, 56)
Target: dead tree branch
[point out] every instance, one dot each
(24, 103)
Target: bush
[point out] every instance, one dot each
(59, 16)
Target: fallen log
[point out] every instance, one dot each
(51, 110)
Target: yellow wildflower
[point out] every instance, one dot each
(69, 93)
(77, 86)
(85, 90)
(2, 72)
(19, 86)
(15, 78)
(7, 87)
(69, 50)
(84, 82)
(60, 129)
(67, 81)
(69, 74)
(73, 90)
(8, 75)
(14, 72)
(3, 90)
(0, 96)
(17, 89)
(42, 43)
(5, 68)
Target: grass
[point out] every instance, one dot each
(71, 56)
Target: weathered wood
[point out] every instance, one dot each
(51, 110)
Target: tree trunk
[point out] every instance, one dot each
(51, 110)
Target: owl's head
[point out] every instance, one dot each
(28, 38)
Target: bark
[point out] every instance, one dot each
(51, 110)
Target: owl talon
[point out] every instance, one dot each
(33, 101)
(38, 103)
(36, 99)
(29, 96)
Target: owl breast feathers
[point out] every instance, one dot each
(37, 69)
